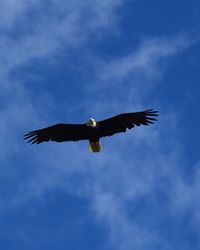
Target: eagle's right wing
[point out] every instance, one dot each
(58, 133)
(120, 123)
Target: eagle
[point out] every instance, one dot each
(92, 130)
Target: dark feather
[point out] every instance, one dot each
(58, 133)
(121, 122)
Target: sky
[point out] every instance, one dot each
(65, 61)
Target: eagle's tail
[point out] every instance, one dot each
(95, 146)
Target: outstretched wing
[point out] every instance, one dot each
(58, 133)
(121, 122)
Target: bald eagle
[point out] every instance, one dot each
(92, 130)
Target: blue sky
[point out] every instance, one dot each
(66, 61)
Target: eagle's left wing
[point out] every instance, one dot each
(121, 122)
(58, 133)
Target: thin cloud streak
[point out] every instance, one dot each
(147, 57)
(130, 78)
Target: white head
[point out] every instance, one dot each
(91, 123)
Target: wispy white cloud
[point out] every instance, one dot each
(108, 208)
(11, 10)
(185, 195)
(37, 29)
(147, 57)
(130, 78)
(130, 167)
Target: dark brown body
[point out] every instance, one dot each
(93, 132)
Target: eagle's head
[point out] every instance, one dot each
(91, 123)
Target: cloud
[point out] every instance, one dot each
(29, 34)
(108, 207)
(185, 198)
(147, 57)
(111, 180)
(13, 10)
(129, 168)
(130, 78)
